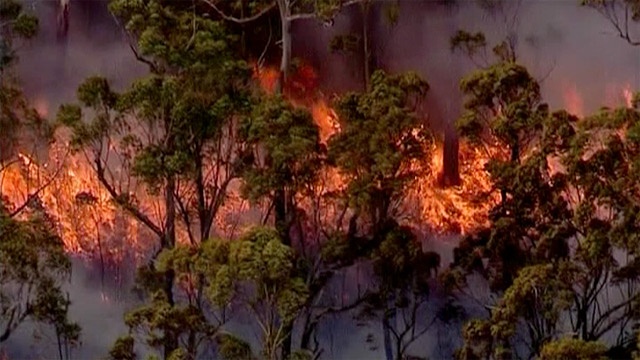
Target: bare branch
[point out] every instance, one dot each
(304, 16)
(240, 20)
(152, 66)
(608, 10)
(125, 204)
(35, 194)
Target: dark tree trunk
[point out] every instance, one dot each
(450, 160)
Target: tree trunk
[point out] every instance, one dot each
(285, 59)
(450, 158)
(451, 148)
(365, 45)
(171, 341)
(386, 327)
(280, 206)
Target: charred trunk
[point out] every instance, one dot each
(366, 46)
(63, 20)
(387, 318)
(450, 158)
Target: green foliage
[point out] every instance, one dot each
(478, 341)
(33, 265)
(175, 132)
(123, 349)
(401, 264)
(569, 348)
(15, 24)
(469, 43)
(23, 128)
(503, 100)
(544, 214)
(160, 321)
(194, 92)
(392, 12)
(403, 276)
(301, 355)
(347, 43)
(257, 271)
(541, 292)
(233, 348)
(381, 143)
(290, 140)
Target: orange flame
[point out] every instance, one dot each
(91, 224)
(86, 218)
(573, 102)
(457, 209)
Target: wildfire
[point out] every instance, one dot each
(457, 209)
(66, 188)
(615, 94)
(572, 100)
(89, 222)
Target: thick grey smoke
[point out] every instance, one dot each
(97, 308)
(53, 68)
(563, 44)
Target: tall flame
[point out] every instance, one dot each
(91, 224)
(455, 209)
(573, 102)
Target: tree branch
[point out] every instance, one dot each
(301, 16)
(152, 66)
(126, 205)
(32, 196)
(240, 20)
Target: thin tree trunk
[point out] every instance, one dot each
(171, 341)
(450, 161)
(365, 45)
(281, 218)
(386, 328)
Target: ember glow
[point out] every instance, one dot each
(572, 100)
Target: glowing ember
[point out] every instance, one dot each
(325, 118)
(41, 106)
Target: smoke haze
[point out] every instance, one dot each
(566, 46)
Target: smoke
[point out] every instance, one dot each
(562, 44)
(583, 52)
(94, 307)
(52, 68)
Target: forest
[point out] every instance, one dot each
(229, 203)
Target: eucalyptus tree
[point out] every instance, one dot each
(33, 261)
(174, 134)
(380, 150)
